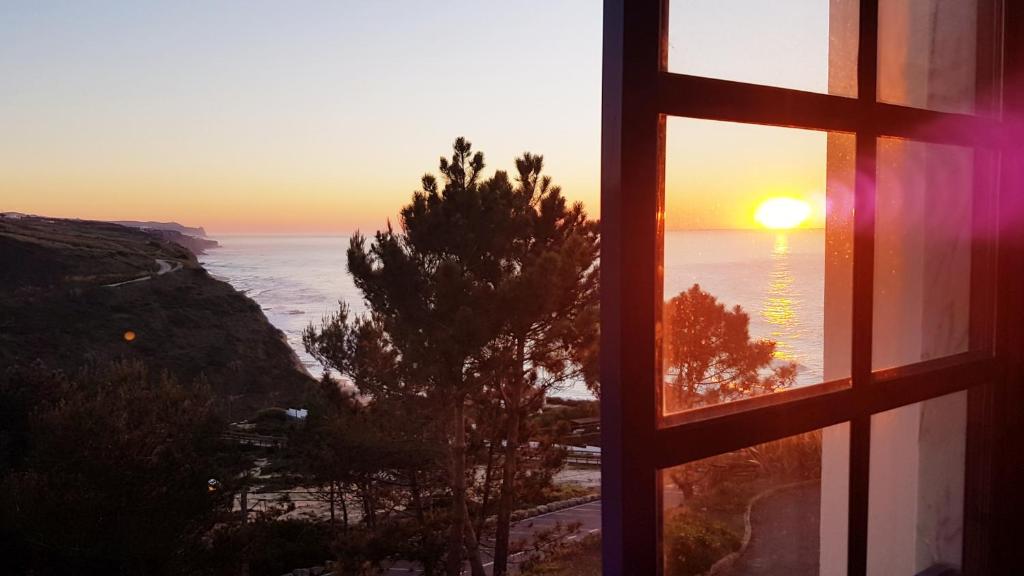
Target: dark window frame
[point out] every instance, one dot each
(638, 94)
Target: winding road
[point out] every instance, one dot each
(163, 267)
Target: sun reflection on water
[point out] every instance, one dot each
(779, 309)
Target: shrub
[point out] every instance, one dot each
(270, 547)
(693, 543)
(576, 558)
(105, 471)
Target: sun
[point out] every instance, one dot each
(782, 213)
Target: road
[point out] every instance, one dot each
(784, 535)
(163, 267)
(588, 515)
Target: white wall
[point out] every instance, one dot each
(922, 271)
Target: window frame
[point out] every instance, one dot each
(638, 95)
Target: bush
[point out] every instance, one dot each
(105, 471)
(579, 558)
(270, 547)
(693, 544)
(269, 415)
(793, 458)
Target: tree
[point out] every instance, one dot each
(482, 302)
(709, 357)
(425, 287)
(546, 309)
(386, 447)
(108, 471)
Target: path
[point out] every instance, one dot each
(588, 515)
(163, 267)
(784, 536)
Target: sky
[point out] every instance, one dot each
(321, 117)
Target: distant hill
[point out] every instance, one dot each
(57, 305)
(172, 226)
(195, 244)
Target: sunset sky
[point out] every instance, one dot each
(321, 117)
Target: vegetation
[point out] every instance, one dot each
(709, 357)
(480, 305)
(379, 467)
(106, 471)
(572, 558)
(694, 543)
(265, 547)
(545, 310)
(484, 301)
(95, 446)
(709, 522)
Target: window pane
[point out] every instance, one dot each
(754, 218)
(801, 44)
(926, 228)
(775, 508)
(928, 52)
(916, 493)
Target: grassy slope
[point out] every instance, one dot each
(54, 307)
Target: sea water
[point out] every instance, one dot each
(776, 277)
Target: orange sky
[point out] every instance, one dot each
(264, 118)
(717, 173)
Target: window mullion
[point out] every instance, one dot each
(729, 101)
(863, 288)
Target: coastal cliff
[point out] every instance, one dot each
(75, 293)
(195, 231)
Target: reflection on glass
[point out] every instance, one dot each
(775, 508)
(709, 356)
(744, 283)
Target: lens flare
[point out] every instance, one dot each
(782, 213)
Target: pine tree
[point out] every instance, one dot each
(425, 286)
(546, 309)
(709, 356)
(487, 294)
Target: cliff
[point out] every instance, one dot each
(198, 232)
(194, 244)
(77, 292)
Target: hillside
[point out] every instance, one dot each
(195, 244)
(57, 305)
(196, 231)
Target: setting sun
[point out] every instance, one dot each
(782, 213)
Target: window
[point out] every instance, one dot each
(905, 102)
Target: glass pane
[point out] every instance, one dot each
(801, 44)
(924, 236)
(936, 54)
(776, 508)
(754, 217)
(916, 493)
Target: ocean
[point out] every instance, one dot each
(777, 277)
